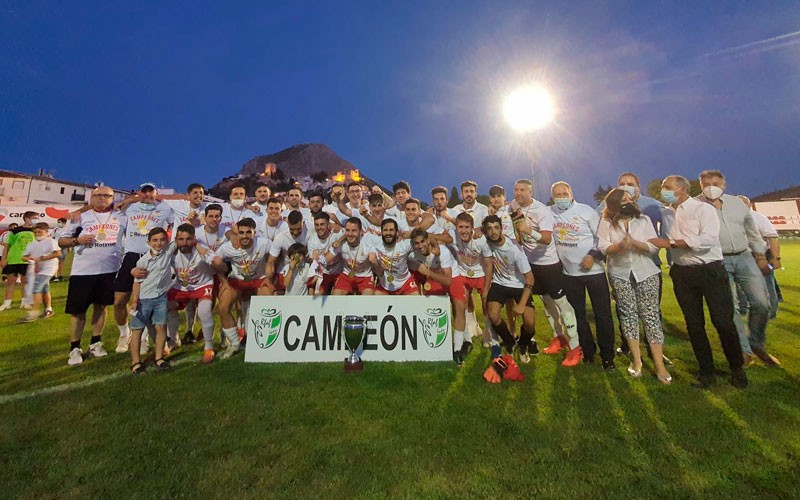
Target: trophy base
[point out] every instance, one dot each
(350, 366)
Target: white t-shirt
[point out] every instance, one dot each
(271, 232)
(282, 242)
(3, 240)
(41, 248)
(395, 264)
(231, 216)
(315, 244)
(355, 259)
(396, 213)
(138, 219)
(210, 241)
(402, 225)
(575, 234)
(505, 219)
(102, 256)
(443, 223)
(182, 209)
(510, 264)
(246, 264)
(307, 217)
(192, 271)
(470, 254)
(303, 278)
(478, 212)
(444, 260)
(764, 226)
(540, 218)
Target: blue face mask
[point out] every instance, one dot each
(628, 189)
(668, 196)
(562, 203)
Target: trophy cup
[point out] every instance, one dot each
(353, 332)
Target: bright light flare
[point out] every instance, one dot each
(529, 108)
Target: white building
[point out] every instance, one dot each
(17, 188)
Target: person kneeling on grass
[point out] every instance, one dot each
(43, 254)
(153, 278)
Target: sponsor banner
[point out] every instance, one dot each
(47, 213)
(284, 329)
(784, 215)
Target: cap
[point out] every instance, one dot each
(147, 185)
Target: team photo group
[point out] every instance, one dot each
(154, 257)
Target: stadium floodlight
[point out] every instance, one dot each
(529, 108)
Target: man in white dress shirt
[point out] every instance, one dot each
(697, 272)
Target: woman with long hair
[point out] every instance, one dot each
(624, 236)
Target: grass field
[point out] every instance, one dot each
(404, 430)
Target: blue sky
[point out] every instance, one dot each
(188, 91)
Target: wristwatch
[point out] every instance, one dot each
(672, 243)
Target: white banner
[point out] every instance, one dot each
(284, 329)
(47, 213)
(784, 215)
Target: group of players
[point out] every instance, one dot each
(157, 255)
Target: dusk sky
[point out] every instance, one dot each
(176, 92)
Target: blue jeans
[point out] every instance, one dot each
(743, 271)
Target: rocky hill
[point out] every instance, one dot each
(312, 166)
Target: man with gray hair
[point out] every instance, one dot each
(692, 229)
(743, 252)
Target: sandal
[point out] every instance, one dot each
(163, 364)
(137, 368)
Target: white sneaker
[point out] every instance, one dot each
(122, 343)
(75, 357)
(224, 343)
(97, 350)
(24, 305)
(230, 351)
(5, 306)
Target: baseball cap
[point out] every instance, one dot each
(147, 185)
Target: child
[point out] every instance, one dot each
(301, 276)
(149, 297)
(43, 254)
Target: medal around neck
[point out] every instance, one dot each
(353, 333)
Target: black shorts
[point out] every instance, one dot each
(549, 280)
(502, 294)
(89, 289)
(18, 269)
(124, 281)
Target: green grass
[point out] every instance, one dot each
(405, 430)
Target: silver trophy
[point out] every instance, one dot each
(353, 332)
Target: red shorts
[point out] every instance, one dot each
(474, 284)
(328, 281)
(456, 291)
(277, 281)
(354, 284)
(245, 285)
(409, 288)
(182, 297)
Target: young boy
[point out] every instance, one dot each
(149, 297)
(12, 263)
(301, 276)
(43, 254)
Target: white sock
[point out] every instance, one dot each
(232, 335)
(124, 331)
(172, 324)
(7, 302)
(568, 317)
(191, 310)
(458, 339)
(206, 316)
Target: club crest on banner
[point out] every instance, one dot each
(267, 327)
(435, 326)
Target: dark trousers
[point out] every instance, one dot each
(692, 284)
(597, 287)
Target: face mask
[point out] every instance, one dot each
(562, 203)
(627, 209)
(668, 196)
(60, 225)
(40, 238)
(712, 192)
(628, 189)
(237, 203)
(34, 222)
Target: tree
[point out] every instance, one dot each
(601, 192)
(278, 175)
(454, 199)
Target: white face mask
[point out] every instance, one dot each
(34, 222)
(237, 203)
(629, 189)
(712, 192)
